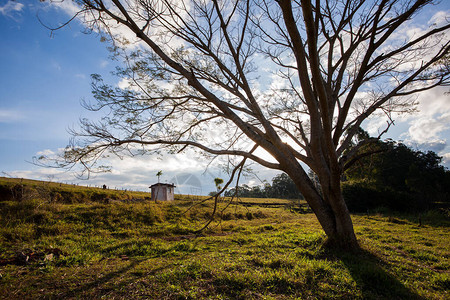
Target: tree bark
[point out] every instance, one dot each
(329, 207)
(343, 235)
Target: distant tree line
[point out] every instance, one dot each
(396, 177)
(282, 187)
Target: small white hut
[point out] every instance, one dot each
(162, 191)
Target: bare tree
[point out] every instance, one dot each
(287, 83)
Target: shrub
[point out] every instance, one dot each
(16, 192)
(360, 197)
(363, 196)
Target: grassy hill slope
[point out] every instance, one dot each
(25, 189)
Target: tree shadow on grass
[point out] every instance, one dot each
(101, 283)
(110, 278)
(372, 278)
(112, 281)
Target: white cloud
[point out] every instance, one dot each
(103, 63)
(68, 7)
(429, 128)
(440, 18)
(427, 124)
(152, 164)
(48, 153)
(11, 7)
(376, 125)
(190, 173)
(446, 159)
(426, 130)
(433, 102)
(11, 116)
(124, 84)
(122, 35)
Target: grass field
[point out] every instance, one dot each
(131, 250)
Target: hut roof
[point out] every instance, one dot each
(162, 184)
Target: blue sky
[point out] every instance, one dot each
(45, 75)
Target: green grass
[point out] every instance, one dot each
(27, 189)
(131, 250)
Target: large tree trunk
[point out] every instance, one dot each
(329, 207)
(343, 235)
